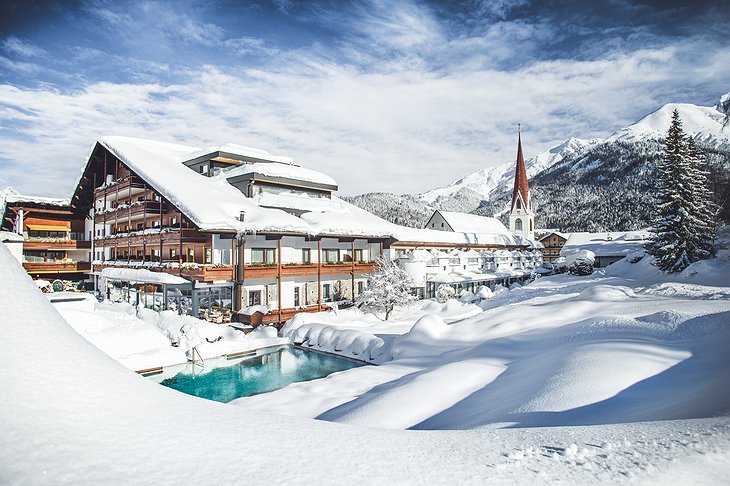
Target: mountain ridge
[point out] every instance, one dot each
(577, 168)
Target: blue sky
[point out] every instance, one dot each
(384, 96)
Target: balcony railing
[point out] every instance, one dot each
(203, 272)
(122, 185)
(56, 244)
(134, 209)
(56, 267)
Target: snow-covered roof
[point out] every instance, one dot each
(416, 235)
(11, 196)
(241, 151)
(142, 275)
(613, 243)
(558, 233)
(473, 223)
(211, 203)
(282, 171)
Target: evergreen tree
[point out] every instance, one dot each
(683, 228)
(387, 288)
(707, 210)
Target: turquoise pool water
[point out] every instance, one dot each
(261, 374)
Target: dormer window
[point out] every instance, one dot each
(204, 169)
(519, 204)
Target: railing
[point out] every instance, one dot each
(153, 235)
(56, 244)
(134, 209)
(120, 185)
(56, 267)
(197, 271)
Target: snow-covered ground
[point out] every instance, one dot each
(142, 339)
(568, 380)
(624, 345)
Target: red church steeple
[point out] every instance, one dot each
(521, 186)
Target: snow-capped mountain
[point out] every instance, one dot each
(594, 185)
(493, 181)
(704, 123)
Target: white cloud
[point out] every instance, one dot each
(400, 105)
(21, 47)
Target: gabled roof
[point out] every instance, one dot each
(472, 223)
(520, 186)
(565, 236)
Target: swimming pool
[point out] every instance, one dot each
(260, 374)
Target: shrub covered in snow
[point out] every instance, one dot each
(445, 292)
(580, 262)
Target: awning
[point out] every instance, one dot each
(48, 227)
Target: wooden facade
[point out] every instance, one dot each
(553, 243)
(55, 243)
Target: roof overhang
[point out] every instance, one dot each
(282, 181)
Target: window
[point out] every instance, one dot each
(360, 287)
(359, 256)
(264, 256)
(326, 293)
(191, 255)
(140, 254)
(442, 225)
(173, 221)
(306, 256)
(518, 223)
(519, 203)
(156, 255)
(140, 226)
(140, 198)
(204, 169)
(331, 256)
(156, 223)
(173, 253)
(208, 255)
(296, 296)
(157, 198)
(254, 297)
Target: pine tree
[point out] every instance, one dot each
(387, 288)
(707, 210)
(683, 228)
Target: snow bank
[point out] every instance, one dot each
(344, 342)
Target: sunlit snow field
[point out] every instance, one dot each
(618, 377)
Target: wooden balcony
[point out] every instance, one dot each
(260, 271)
(121, 213)
(56, 267)
(207, 273)
(365, 267)
(204, 273)
(306, 270)
(122, 186)
(133, 238)
(56, 244)
(336, 268)
(299, 270)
